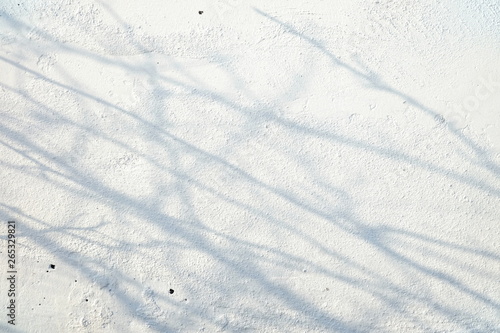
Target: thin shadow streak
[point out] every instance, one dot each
(377, 83)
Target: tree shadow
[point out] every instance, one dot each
(232, 232)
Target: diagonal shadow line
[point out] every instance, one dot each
(373, 236)
(376, 82)
(183, 142)
(299, 203)
(16, 24)
(427, 239)
(388, 153)
(310, 209)
(293, 300)
(145, 211)
(291, 199)
(59, 251)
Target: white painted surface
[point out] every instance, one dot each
(284, 166)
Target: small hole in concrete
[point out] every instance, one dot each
(200, 12)
(171, 291)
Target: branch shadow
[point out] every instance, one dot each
(241, 223)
